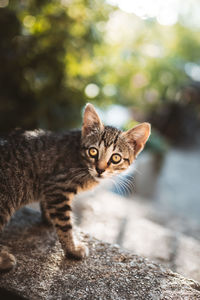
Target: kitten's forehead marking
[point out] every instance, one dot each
(105, 153)
(109, 136)
(104, 156)
(108, 144)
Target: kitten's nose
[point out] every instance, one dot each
(100, 171)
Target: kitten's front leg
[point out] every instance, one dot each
(45, 215)
(60, 212)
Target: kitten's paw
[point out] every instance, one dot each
(7, 261)
(79, 252)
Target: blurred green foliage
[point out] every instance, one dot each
(46, 60)
(51, 50)
(157, 143)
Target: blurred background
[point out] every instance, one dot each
(135, 61)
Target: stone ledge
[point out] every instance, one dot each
(109, 272)
(129, 223)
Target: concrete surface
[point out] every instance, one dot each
(42, 272)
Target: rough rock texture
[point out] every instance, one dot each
(134, 226)
(42, 271)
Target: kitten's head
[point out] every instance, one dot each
(109, 151)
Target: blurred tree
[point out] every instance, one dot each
(55, 55)
(147, 66)
(46, 50)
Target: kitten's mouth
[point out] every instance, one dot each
(98, 176)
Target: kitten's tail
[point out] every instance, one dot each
(7, 260)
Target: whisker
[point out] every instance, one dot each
(126, 184)
(115, 184)
(122, 186)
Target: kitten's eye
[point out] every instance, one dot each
(93, 152)
(116, 158)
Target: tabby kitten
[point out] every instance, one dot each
(52, 168)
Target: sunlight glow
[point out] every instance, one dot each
(193, 70)
(152, 50)
(167, 17)
(109, 90)
(29, 21)
(115, 115)
(92, 90)
(166, 12)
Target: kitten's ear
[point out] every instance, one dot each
(138, 136)
(91, 120)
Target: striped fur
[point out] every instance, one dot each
(52, 168)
